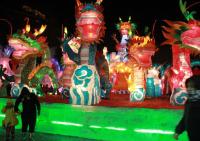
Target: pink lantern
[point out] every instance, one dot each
(191, 37)
(141, 49)
(90, 22)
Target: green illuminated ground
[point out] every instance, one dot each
(108, 124)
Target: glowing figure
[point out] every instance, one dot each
(153, 83)
(126, 30)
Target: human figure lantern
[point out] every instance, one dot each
(118, 62)
(85, 89)
(126, 30)
(184, 39)
(153, 82)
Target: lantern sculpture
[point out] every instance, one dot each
(126, 30)
(85, 89)
(141, 50)
(153, 82)
(184, 39)
(118, 62)
(4, 61)
(6, 74)
(4, 78)
(27, 46)
(44, 74)
(134, 53)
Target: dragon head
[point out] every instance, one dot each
(186, 35)
(90, 21)
(141, 49)
(28, 44)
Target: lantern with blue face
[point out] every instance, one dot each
(90, 22)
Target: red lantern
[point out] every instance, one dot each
(90, 22)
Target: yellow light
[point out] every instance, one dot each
(90, 26)
(28, 28)
(36, 33)
(145, 39)
(42, 29)
(90, 35)
(65, 30)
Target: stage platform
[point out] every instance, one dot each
(121, 100)
(107, 123)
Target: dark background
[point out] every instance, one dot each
(143, 13)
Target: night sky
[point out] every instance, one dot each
(143, 13)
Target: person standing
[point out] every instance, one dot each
(10, 120)
(31, 107)
(190, 121)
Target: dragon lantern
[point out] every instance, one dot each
(140, 49)
(26, 47)
(184, 39)
(85, 89)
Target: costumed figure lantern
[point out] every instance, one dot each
(85, 89)
(184, 39)
(127, 31)
(153, 82)
(118, 62)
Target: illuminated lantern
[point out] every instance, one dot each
(142, 48)
(90, 22)
(65, 79)
(190, 37)
(118, 62)
(140, 51)
(6, 74)
(85, 87)
(184, 39)
(46, 81)
(153, 83)
(43, 73)
(5, 62)
(126, 30)
(17, 88)
(26, 47)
